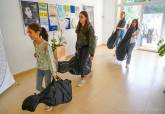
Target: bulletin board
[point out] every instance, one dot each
(51, 16)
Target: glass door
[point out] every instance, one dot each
(151, 27)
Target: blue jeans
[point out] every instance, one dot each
(83, 54)
(129, 49)
(40, 75)
(120, 35)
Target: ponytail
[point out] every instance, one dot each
(44, 34)
(36, 27)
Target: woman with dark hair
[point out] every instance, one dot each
(46, 67)
(86, 43)
(131, 44)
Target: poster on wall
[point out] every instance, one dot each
(90, 10)
(30, 12)
(61, 11)
(6, 78)
(67, 23)
(43, 14)
(72, 9)
(53, 17)
(67, 10)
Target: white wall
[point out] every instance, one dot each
(109, 12)
(19, 47)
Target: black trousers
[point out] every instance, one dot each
(83, 56)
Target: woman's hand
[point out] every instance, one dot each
(54, 75)
(91, 57)
(35, 55)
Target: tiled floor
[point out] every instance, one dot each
(111, 90)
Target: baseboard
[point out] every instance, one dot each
(24, 72)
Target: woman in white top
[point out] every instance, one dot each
(132, 41)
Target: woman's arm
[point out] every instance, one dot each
(53, 61)
(121, 28)
(92, 41)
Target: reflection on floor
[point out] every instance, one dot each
(111, 90)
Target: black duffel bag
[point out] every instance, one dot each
(58, 92)
(73, 66)
(121, 50)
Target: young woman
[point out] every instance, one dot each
(120, 28)
(86, 42)
(132, 42)
(46, 67)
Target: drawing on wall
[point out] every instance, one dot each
(30, 12)
(53, 19)
(43, 13)
(90, 10)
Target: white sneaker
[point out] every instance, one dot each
(36, 92)
(127, 66)
(48, 108)
(81, 83)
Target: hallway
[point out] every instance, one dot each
(111, 90)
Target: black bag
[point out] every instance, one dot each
(111, 41)
(30, 103)
(58, 92)
(121, 50)
(63, 66)
(73, 67)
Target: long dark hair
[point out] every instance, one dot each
(137, 23)
(85, 27)
(36, 27)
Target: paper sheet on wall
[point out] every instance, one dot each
(43, 13)
(53, 19)
(6, 79)
(61, 11)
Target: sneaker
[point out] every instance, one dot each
(36, 92)
(81, 83)
(127, 66)
(90, 74)
(48, 108)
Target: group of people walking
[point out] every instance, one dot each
(128, 35)
(85, 47)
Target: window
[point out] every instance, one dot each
(133, 1)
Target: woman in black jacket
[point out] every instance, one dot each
(86, 43)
